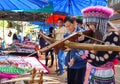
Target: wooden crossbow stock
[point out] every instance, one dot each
(69, 42)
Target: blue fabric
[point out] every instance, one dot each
(61, 60)
(74, 53)
(68, 33)
(3, 45)
(38, 23)
(82, 29)
(92, 73)
(29, 37)
(22, 4)
(79, 62)
(74, 7)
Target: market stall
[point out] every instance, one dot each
(20, 49)
(13, 66)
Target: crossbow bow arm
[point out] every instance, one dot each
(67, 42)
(48, 39)
(60, 44)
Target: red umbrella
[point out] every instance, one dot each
(53, 18)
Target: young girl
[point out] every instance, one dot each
(100, 62)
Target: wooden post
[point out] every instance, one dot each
(56, 62)
(33, 75)
(41, 77)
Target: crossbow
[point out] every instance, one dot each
(69, 43)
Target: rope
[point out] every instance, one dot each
(94, 39)
(32, 54)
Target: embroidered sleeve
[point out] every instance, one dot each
(101, 57)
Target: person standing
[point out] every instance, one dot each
(15, 38)
(80, 24)
(20, 37)
(100, 63)
(41, 40)
(29, 37)
(59, 35)
(76, 66)
(52, 35)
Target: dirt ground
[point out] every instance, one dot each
(53, 78)
(62, 79)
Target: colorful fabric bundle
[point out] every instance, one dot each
(12, 70)
(100, 80)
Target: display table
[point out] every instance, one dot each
(20, 49)
(12, 66)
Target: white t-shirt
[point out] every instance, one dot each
(59, 33)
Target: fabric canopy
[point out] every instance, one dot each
(22, 4)
(74, 7)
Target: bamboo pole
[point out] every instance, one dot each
(95, 47)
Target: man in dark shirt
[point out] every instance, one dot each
(41, 40)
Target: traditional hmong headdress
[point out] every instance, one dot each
(99, 15)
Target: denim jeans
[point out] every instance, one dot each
(61, 60)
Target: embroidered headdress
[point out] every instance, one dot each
(99, 15)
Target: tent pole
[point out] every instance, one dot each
(22, 27)
(3, 32)
(69, 2)
(53, 15)
(56, 61)
(53, 19)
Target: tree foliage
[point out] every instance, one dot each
(5, 23)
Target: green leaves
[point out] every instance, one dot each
(5, 23)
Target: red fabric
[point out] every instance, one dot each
(41, 31)
(54, 18)
(113, 69)
(7, 75)
(116, 61)
(37, 47)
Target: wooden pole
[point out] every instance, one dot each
(56, 62)
(41, 77)
(3, 31)
(95, 47)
